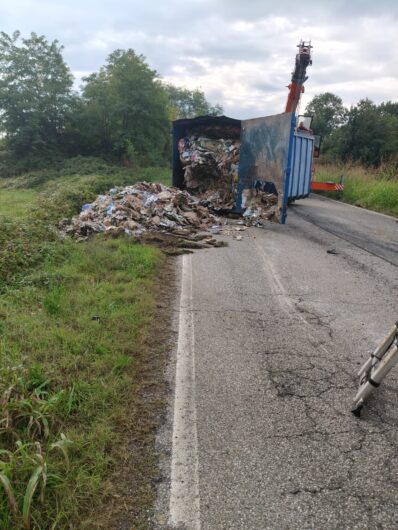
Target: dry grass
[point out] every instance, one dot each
(375, 189)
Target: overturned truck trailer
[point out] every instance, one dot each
(274, 156)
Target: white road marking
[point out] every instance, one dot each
(285, 301)
(184, 494)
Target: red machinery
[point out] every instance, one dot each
(296, 88)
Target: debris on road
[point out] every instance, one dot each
(152, 208)
(259, 205)
(140, 208)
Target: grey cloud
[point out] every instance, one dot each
(354, 43)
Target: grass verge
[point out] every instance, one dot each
(79, 372)
(376, 190)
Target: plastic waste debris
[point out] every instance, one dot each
(211, 168)
(142, 207)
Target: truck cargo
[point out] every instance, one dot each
(275, 157)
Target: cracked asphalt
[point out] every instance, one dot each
(281, 328)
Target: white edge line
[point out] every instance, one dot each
(184, 491)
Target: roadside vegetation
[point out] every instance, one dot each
(360, 143)
(372, 188)
(76, 361)
(81, 341)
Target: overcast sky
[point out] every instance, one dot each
(240, 53)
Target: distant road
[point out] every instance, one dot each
(370, 231)
(272, 331)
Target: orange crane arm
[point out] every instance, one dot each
(296, 87)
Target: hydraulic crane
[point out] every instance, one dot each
(296, 88)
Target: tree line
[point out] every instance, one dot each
(365, 133)
(122, 113)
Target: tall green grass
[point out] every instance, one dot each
(74, 325)
(375, 189)
(71, 334)
(32, 205)
(16, 203)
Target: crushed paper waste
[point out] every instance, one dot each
(210, 176)
(259, 205)
(211, 171)
(140, 208)
(152, 207)
(210, 168)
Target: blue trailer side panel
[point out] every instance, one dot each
(301, 164)
(265, 158)
(274, 157)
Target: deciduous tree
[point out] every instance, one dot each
(185, 103)
(328, 112)
(125, 112)
(35, 95)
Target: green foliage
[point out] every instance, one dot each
(184, 103)
(27, 235)
(371, 134)
(35, 95)
(369, 188)
(125, 111)
(328, 112)
(69, 382)
(23, 244)
(366, 133)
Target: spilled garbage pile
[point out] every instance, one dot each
(145, 210)
(142, 208)
(210, 168)
(211, 172)
(259, 205)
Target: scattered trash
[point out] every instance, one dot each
(215, 229)
(211, 172)
(259, 205)
(144, 207)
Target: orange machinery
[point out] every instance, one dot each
(296, 88)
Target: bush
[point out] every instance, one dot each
(374, 189)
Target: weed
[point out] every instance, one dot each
(52, 300)
(120, 363)
(373, 189)
(74, 322)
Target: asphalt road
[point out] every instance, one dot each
(272, 331)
